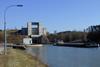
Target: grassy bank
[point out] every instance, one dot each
(18, 58)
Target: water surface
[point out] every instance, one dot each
(57, 56)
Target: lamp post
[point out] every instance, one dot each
(5, 37)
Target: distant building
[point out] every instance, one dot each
(35, 29)
(23, 31)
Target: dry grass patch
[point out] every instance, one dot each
(18, 58)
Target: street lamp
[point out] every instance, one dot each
(5, 37)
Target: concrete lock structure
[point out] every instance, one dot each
(36, 32)
(35, 29)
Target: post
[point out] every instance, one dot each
(5, 34)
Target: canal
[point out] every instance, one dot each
(57, 56)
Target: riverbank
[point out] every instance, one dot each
(19, 58)
(80, 45)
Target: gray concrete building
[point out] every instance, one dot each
(36, 32)
(35, 29)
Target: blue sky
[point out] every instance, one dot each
(60, 15)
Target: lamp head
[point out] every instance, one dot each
(19, 5)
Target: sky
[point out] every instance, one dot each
(59, 15)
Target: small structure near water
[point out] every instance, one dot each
(27, 41)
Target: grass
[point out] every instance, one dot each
(19, 58)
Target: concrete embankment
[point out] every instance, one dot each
(25, 46)
(35, 45)
(81, 45)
